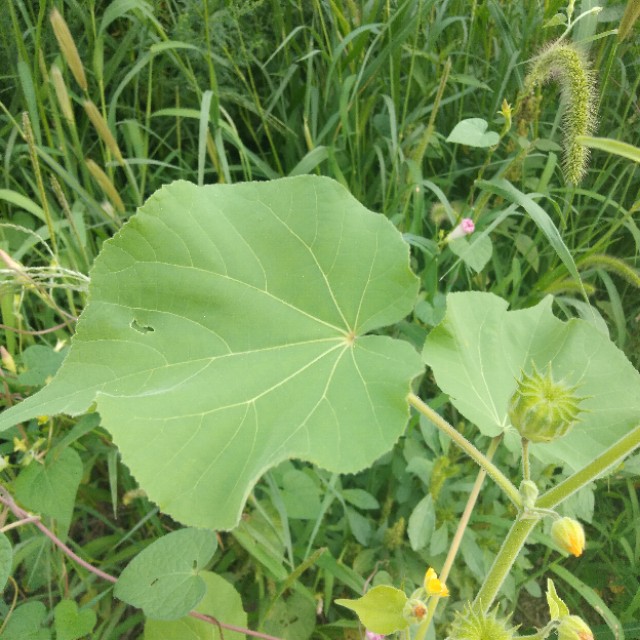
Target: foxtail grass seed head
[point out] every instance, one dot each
(567, 64)
(101, 127)
(105, 184)
(568, 534)
(473, 624)
(68, 48)
(62, 94)
(542, 409)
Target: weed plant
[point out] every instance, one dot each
(366, 93)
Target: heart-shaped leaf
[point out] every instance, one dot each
(479, 350)
(380, 609)
(51, 488)
(221, 601)
(25, 623)
(226, 332)
(72, 624)
(473, 133)
(163, 579)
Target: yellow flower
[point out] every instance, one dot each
(568, 534)
(433, 586)
(19, 444)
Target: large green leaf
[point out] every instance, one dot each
(478, 351)
(225, 332)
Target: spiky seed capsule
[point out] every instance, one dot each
(542, 409)
(472, 624)
(568, 534)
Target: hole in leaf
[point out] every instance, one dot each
(141, 328)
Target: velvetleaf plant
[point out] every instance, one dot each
(231, 327)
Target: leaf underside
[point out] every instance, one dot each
(225, 332)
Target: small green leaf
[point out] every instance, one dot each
(72, 624)
(163, 580)
(292, 618)
(50, 488)
(421, 523)
(475, 253)
(6, 560)
(380, 609)
(473, 133)
(300, 495)
(557, 608)
(555, 21)
(360, 498)
(221, 601)
(25, 623)
(40, 363)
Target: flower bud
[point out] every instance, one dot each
(542, 409)
(465, 228)
(7, 360)
(414, 611)
(568, 534)
(574, 628)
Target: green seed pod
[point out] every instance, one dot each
(542, 409)
(472, 624)
(414, 611)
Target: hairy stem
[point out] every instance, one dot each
(457, 539)
(521, 528)
(503, 562)
(492, 471)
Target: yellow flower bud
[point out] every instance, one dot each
(7, 360)
(433, 585)
(568, 534)
(574, 628)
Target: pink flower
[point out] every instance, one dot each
(465, 227)
(370, 635)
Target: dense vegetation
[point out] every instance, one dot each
(367, 93)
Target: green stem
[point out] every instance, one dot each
(503, 562)
(521, 528)
(614, 454)
(457, 539)
(526, 470)
(492, 471)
